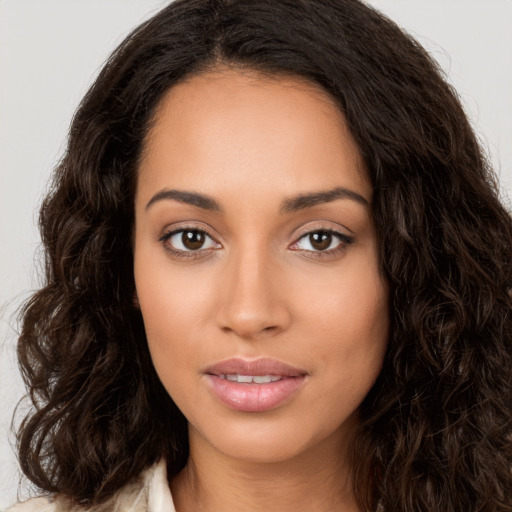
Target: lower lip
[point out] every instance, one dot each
(254, 397)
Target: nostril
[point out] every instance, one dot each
(251, 332)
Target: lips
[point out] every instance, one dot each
(254, 386)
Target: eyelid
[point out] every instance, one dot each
(336, 229)
(187, 254)
(186, 226)
(344, 239)
(172, 232)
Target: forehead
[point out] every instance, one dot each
(233, 87)
(248, 128)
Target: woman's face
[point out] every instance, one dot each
(256, 264)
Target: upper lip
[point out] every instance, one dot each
(256, 367)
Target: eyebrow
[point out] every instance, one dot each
(201, 200)
(290, 205)
(303, 201)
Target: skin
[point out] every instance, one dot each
(258, 287)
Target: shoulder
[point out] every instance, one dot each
(147, 493)
(34, 505)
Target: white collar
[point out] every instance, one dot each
(148, 493)
(159, 495)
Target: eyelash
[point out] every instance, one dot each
(344, 241)
(179, 253)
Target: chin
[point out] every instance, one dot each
(258, 440)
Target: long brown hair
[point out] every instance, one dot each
(436, 427)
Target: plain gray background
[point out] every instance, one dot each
(51, 50)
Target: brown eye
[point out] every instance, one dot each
(192, 240)
(188, 240)
(320, 240)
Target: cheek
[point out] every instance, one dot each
(171, 298)
(347, 316)
(351, 356)
(350, 302)
(167, 304)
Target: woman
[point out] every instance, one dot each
(278, 277)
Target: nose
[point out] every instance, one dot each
(252, 300)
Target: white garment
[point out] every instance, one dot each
(147, 493)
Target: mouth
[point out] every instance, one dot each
(263, 367)
(254, 386)
(251, 379)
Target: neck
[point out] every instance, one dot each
(317, 481)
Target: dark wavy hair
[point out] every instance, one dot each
(436, 426)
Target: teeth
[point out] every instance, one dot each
(262, 379)
(248, 379)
